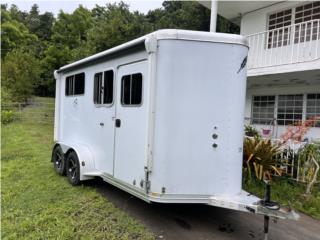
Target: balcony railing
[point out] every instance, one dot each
(286, 45)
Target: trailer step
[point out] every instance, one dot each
(247, 202)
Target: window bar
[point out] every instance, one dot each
(258, 50)
(130, 91)
(282, 40)
(122, 89)
(317, 39)
(264, 48)
(103, 76)
(100, 89)
(311, 36)
(270, 58)
(292, 37)
(299, 40)
(277, 42)
(304, 107)
(305, 39)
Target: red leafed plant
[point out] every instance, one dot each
(296, 132)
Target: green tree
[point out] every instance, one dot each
(20, 73)
(33, 19)
(115, 24)
(180, 14)
(14, 34)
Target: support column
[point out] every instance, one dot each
(214, 12)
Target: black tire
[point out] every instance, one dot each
(58, 159)
(73, 168)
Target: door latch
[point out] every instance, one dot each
(118, 122)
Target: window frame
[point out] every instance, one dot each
(142, 89)
(73, 85)
(291, 110)
(98, 105)
(292, 32)
(269, 44)
(276, 107)
(316, 124)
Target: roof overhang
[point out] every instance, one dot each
(234, 10)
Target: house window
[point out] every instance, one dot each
(279, 32)
(305, 28)
(131, 89)
(103, 88)
(75, 84)
(289, 109)
(263, 109)
(313, 109)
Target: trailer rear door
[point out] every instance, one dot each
(131, 123)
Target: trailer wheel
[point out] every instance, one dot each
(73, 168)
(58, 159)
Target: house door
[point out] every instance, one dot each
(131, 123)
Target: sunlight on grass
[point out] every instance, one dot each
(39, 204)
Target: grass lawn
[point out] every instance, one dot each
(39, 204)
(290, 194)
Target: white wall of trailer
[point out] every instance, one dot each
(200, 92)
(84, 123)
(188, 131)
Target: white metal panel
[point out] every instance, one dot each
(102, 126)
(80, 123)
(131, 137)
(200, 91)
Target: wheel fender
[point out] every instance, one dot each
(86, 158)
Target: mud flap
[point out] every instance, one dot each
(247, 202)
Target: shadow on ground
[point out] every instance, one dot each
(195, 221)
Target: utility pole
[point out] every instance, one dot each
(213, 18)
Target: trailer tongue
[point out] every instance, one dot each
(246, 202)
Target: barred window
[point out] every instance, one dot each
(131, 89)
(103, 87)
(289, 109)
(75, 84)
(313, 109)
(279, 34)
(263, 109)
(307, 29)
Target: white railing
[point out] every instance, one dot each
(286, 45)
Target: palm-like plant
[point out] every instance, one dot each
(260, 155)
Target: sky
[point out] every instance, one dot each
(70, 5)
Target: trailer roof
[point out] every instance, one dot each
(163, 34)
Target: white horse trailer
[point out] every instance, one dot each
(160, 117)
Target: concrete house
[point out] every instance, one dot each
(283, 83)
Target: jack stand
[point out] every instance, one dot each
(267, 194)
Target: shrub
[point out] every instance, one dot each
(7, 116)
(260, 156)
(251, 131)
(309, 157)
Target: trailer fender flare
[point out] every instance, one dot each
(85, 156)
